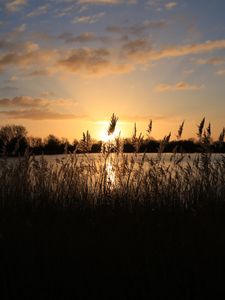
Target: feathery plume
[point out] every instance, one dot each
(112, 124)
(180, 131)
(200, 128)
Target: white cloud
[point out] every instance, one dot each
(88, 19)
(170, 5)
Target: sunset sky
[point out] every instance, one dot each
(67, 65)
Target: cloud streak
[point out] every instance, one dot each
(180, 86)
(24, 107)
(170, 5)
(107, 1)
(85, 37)
(37, 114)
(92, 62)
(26, 101)
(8, 89)
(27, 55)
(88, 19)
(137, 29)
(220, 72)
(15, 5)
(149, 54)
(41, 10)
(212, 61)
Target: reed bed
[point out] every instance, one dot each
(114, 180)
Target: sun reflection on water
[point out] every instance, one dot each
(111, 176)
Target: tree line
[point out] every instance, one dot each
(14, 141)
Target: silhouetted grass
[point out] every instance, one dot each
(113, 225)
(177, 182)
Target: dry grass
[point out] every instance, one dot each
(173, 181)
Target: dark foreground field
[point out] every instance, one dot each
(121, 228)
(49, 254)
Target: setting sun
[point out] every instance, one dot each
(103, 133)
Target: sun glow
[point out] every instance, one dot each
(103, 134)
(108, 138)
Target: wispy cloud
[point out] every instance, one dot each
(27, 55)
(188, 72)
(176, 51)
(137, 47)
(4, 43)
(40, 10)
(170, 5)
(44, 71)
(8, 40)
(92, 62)
(147, 53)
(61, 12)
(26, 101)
(8, 89)
(220, 72)
(81, 38)
(47, 94)
(36, 114)
(107, 1)
(22, 101)
(15, 5)
(160, 5)
(24, 107)
(88, 19)
(137, 29)
(88, 59)
(212, 61)
(180, 86)
(21, 28)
